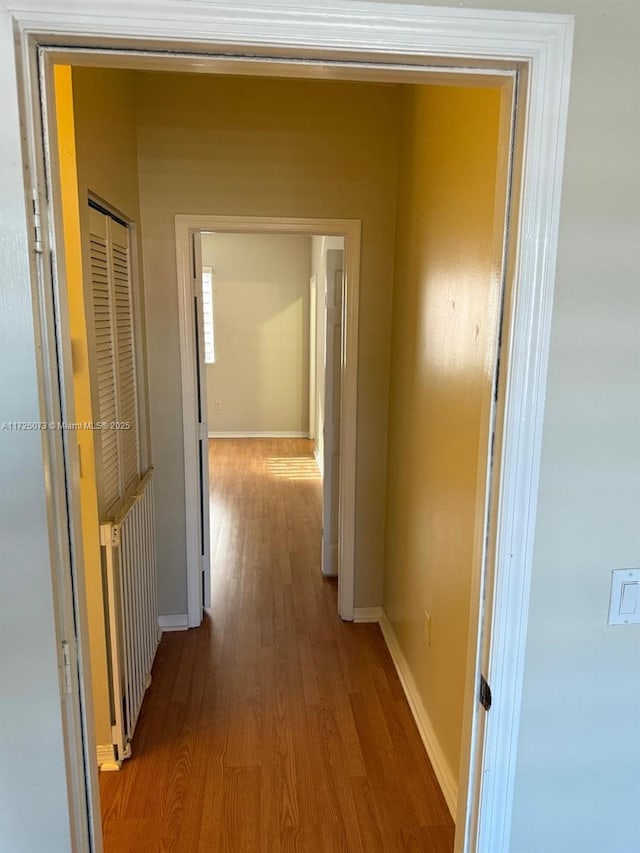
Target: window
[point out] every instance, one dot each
(207, 312)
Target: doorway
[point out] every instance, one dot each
(548, 83)
(271, 352)
(339, 316)
(268, 360)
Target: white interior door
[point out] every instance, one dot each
(331, 425)
(202, 435)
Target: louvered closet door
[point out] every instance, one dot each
(127, 396)
(108, 468)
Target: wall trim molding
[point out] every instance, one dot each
(253, 434)
(367, 614)
(173, 622)
(444, 774)
(107, 760)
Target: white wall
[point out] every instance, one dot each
(578, 782)
(34, 811)
(261, 319)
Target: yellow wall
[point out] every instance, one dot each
(99, 103)
(104, 109)
(260, 376)
(267, 147)
(444, 314)
(82, 401)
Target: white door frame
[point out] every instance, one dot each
(333, 302)
(198, 402)
(350, 230)
(313, 356)
(310, 38)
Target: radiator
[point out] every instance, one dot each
(128, 543)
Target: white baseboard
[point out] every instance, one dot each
(367, 614)
(319, 462)
(106, 755)
(173, 622)
(445, 777)
(251, 434)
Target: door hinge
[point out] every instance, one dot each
(66, 668)
(484, 694)
(37, 221)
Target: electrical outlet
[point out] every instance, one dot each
(427, 627)
(217, 405)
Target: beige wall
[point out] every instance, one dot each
(261, 319)
(106, 158)
(271, 148)
(444, 315)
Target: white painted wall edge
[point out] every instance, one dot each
(367, 614)
(266, 434)
(319, 461)
(173, 622)
(444, 774)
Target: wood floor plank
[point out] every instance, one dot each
(241, 788)
(274, 726)
(368, 817)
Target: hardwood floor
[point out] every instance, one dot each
(274, 726)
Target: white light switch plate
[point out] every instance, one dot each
(624, 604)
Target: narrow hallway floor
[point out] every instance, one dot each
(274, 726)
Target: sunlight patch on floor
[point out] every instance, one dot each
(294, 468)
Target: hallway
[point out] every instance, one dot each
(274, 726)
